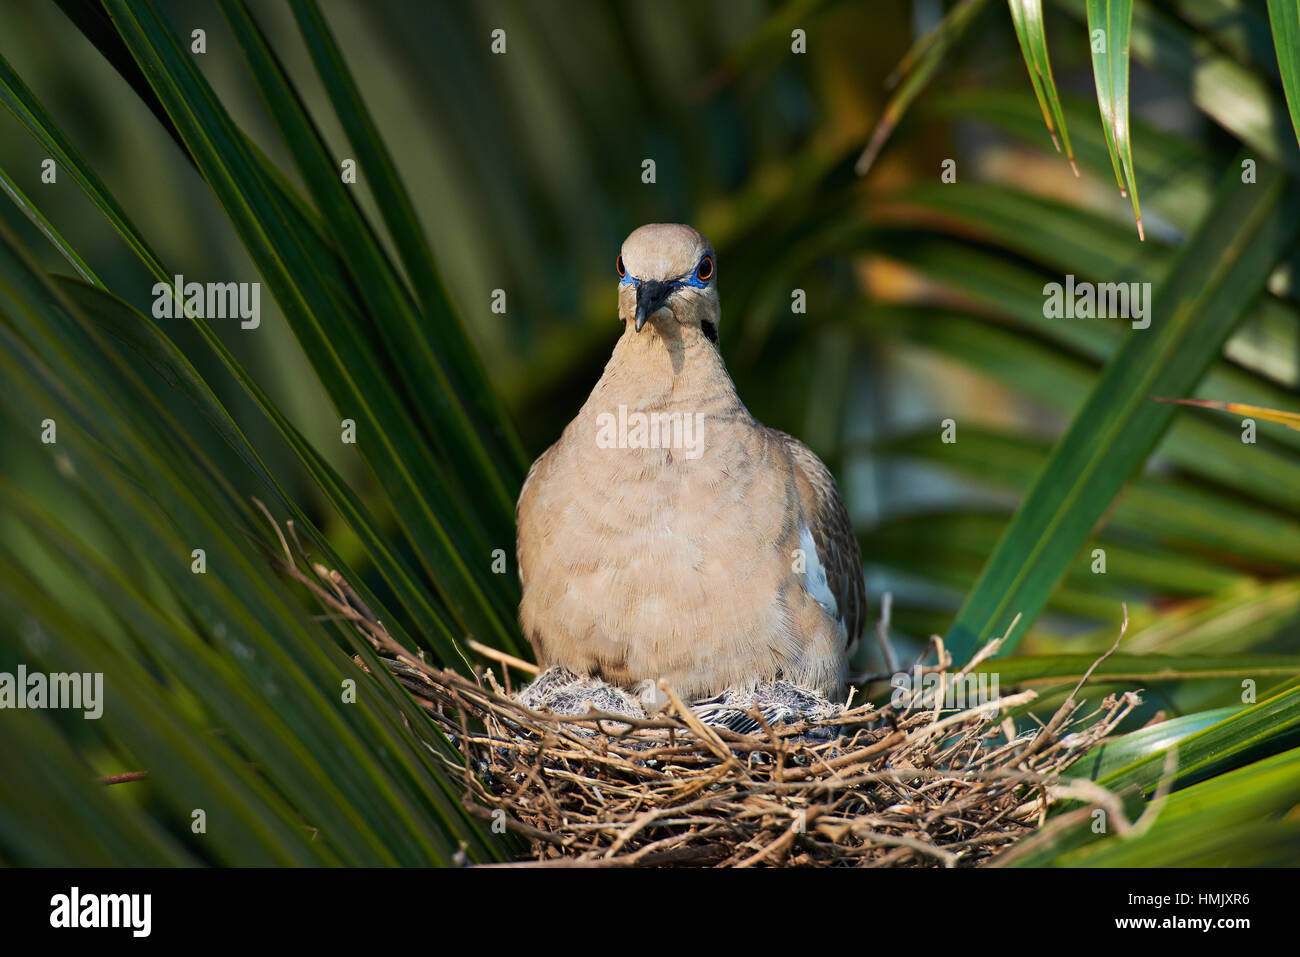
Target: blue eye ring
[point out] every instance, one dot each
(701, 275)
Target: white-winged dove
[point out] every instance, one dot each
(668, 534)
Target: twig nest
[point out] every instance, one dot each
(616, 785)
(766, 776)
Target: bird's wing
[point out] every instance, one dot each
(832, 534)
(524, 513)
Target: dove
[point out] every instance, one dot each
(668, 536)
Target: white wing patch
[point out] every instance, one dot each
(814, 576)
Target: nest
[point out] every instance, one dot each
(909, 783)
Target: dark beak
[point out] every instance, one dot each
(650, 297)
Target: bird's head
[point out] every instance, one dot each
(668, 273)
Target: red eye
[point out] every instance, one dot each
(618, 264)
(704, 271)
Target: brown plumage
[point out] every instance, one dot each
(695, 545)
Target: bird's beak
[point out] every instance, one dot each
(650, 297)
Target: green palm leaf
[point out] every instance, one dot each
(1027, 16)
(1194, 311)
(1284, 15)
(1110, 22)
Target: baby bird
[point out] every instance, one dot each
(668, 535)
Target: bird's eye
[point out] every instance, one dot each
(618, 264)
(704, 271)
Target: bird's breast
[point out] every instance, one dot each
(662, 537)
(653, 557)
